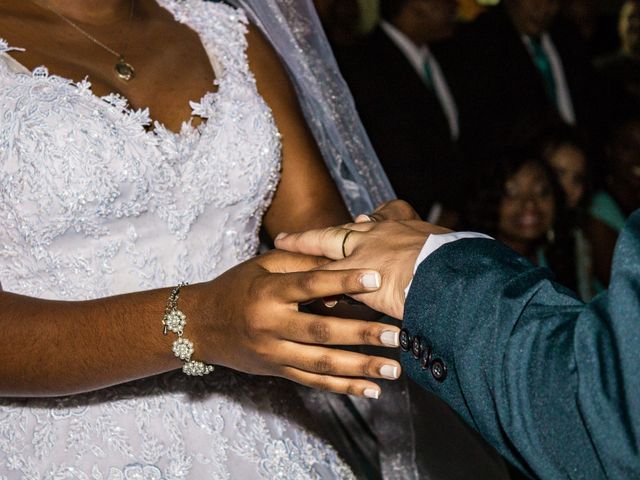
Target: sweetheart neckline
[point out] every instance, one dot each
(122, 104)
(114, 98)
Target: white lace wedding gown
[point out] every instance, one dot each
(93, 204)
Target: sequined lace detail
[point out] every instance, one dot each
(93, 204)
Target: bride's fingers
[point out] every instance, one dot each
(336, 362)
(278, 262)
(321, 330)
(346, 386)
(303, 286)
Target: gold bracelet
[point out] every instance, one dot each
(175, 321)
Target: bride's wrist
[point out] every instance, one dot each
(184, 323)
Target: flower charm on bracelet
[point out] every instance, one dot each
(175, 321)
(197, 369)
(183, 348)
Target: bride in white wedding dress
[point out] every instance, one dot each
(108, 200)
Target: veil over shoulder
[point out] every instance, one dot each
(294, 30)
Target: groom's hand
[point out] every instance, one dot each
(387, 246)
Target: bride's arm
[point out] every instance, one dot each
(306, 196)
(246, 319)
(55, 348)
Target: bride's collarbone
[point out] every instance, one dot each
(171, 65)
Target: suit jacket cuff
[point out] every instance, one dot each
(451, 313)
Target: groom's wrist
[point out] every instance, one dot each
(434, 242)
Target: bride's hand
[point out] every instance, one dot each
(255, 325)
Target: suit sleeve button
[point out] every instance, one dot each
(438, 370)
(425, 360)
(405, 340)
(416, 347)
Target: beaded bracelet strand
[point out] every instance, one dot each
(175, 320)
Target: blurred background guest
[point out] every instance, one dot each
(622, 68)
(444, 90)
(520, 59)
(404, 100)
(618, 196)
(567, 151)
(520, 204)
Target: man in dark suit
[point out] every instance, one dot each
(552, 383)
(404, 101)
(519, 62)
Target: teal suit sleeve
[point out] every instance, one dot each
(553, 384)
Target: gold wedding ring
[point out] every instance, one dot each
(344, 243)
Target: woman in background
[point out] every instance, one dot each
(618, 196)
(521, 205)
(568, 154)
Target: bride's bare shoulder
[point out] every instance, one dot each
(265, 63)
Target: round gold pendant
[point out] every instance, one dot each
(125, 70)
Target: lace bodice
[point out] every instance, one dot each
(93, 203)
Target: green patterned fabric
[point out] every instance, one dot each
(606, 209)
(551, 382)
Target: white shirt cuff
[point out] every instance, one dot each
(434, 242)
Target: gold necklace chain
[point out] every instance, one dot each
(124, 70)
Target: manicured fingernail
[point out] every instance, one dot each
(363, 218)
(281, 235)
(370, 280)
(371, 393)
(390, 339)
(390, 371)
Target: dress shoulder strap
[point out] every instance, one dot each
(222, 30)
